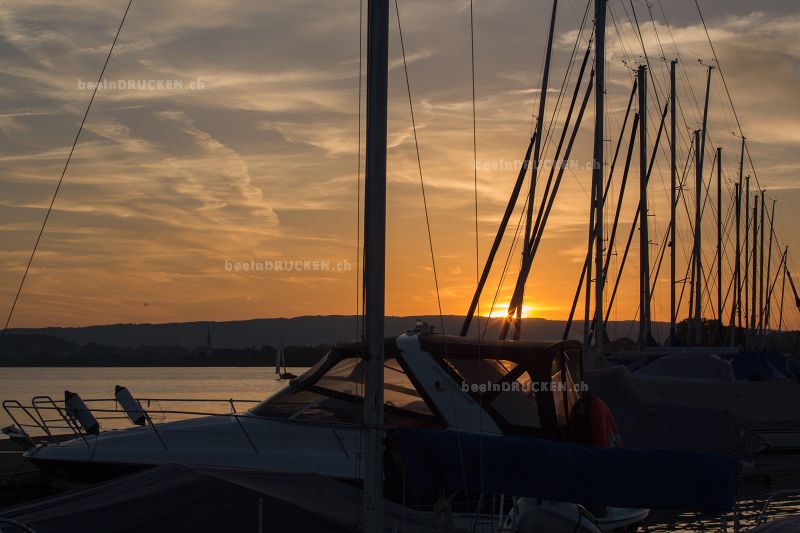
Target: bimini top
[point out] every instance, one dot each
(429, 376)
(494, 348)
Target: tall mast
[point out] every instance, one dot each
(375, 259)
(754, 288)
(768, 302)
(719, 243)
(736, 311)
(761, 269)
(529, 237)
(644, 240)
(673, 200)
(597, 167)
(783, 288)
(738, 268)
(538, 135)
(700, 148)
(698, 255)
(746, 281)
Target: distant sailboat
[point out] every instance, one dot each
(280, 364)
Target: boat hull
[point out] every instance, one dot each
(767, 408)
(227, 441)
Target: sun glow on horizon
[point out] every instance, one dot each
(501, 311)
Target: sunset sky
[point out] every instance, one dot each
(255, 157)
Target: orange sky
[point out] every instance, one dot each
(170, 187)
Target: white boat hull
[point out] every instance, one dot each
(771, 409)
(237, 442)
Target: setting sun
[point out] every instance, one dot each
(501, 310)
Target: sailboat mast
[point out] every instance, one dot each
(537, 148)
(673, 168)
(698, 255)
(736, 311)
(700, 149)
(375, 259)
(597, 167)
(644, 239)
(761, 268)
(768, 299)
(279, 356)
(527, 255)
(754, 288)
(719, 244)
(783, 288)
(738, 277)
(746, 281)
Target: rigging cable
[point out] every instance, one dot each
(63, 173)
(475, 157)
(419, 166)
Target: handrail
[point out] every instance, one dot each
(762, 515)
(44, 404)
(8, 405)
(199, 400)
(39, 399)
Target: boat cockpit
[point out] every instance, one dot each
(525, 388)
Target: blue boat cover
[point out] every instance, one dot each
(761, 366)
(567, 472)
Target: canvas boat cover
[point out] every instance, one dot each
(666, 426)
(757, 366)
(560, 471)
(689, 365)
(176, 498)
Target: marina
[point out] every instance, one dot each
(688, 424)
(767, 482)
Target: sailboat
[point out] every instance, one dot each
(722, 368)
(280, 363)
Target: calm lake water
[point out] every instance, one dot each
(217, 383)
(769, 473)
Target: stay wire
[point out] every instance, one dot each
(474, 153)
(63, 173)
(419, 166)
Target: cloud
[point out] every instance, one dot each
(261, 162)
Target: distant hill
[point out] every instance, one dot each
(299, 331)
(254, 342)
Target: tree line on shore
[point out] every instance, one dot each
(47, 350)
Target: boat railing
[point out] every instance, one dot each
(48, 420)
(762, 514)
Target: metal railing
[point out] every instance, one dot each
(762, 515)
(48, 420)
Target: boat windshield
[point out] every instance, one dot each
(333, 391)
(527, 392)
(507, 389)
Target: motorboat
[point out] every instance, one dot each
(314, 425)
